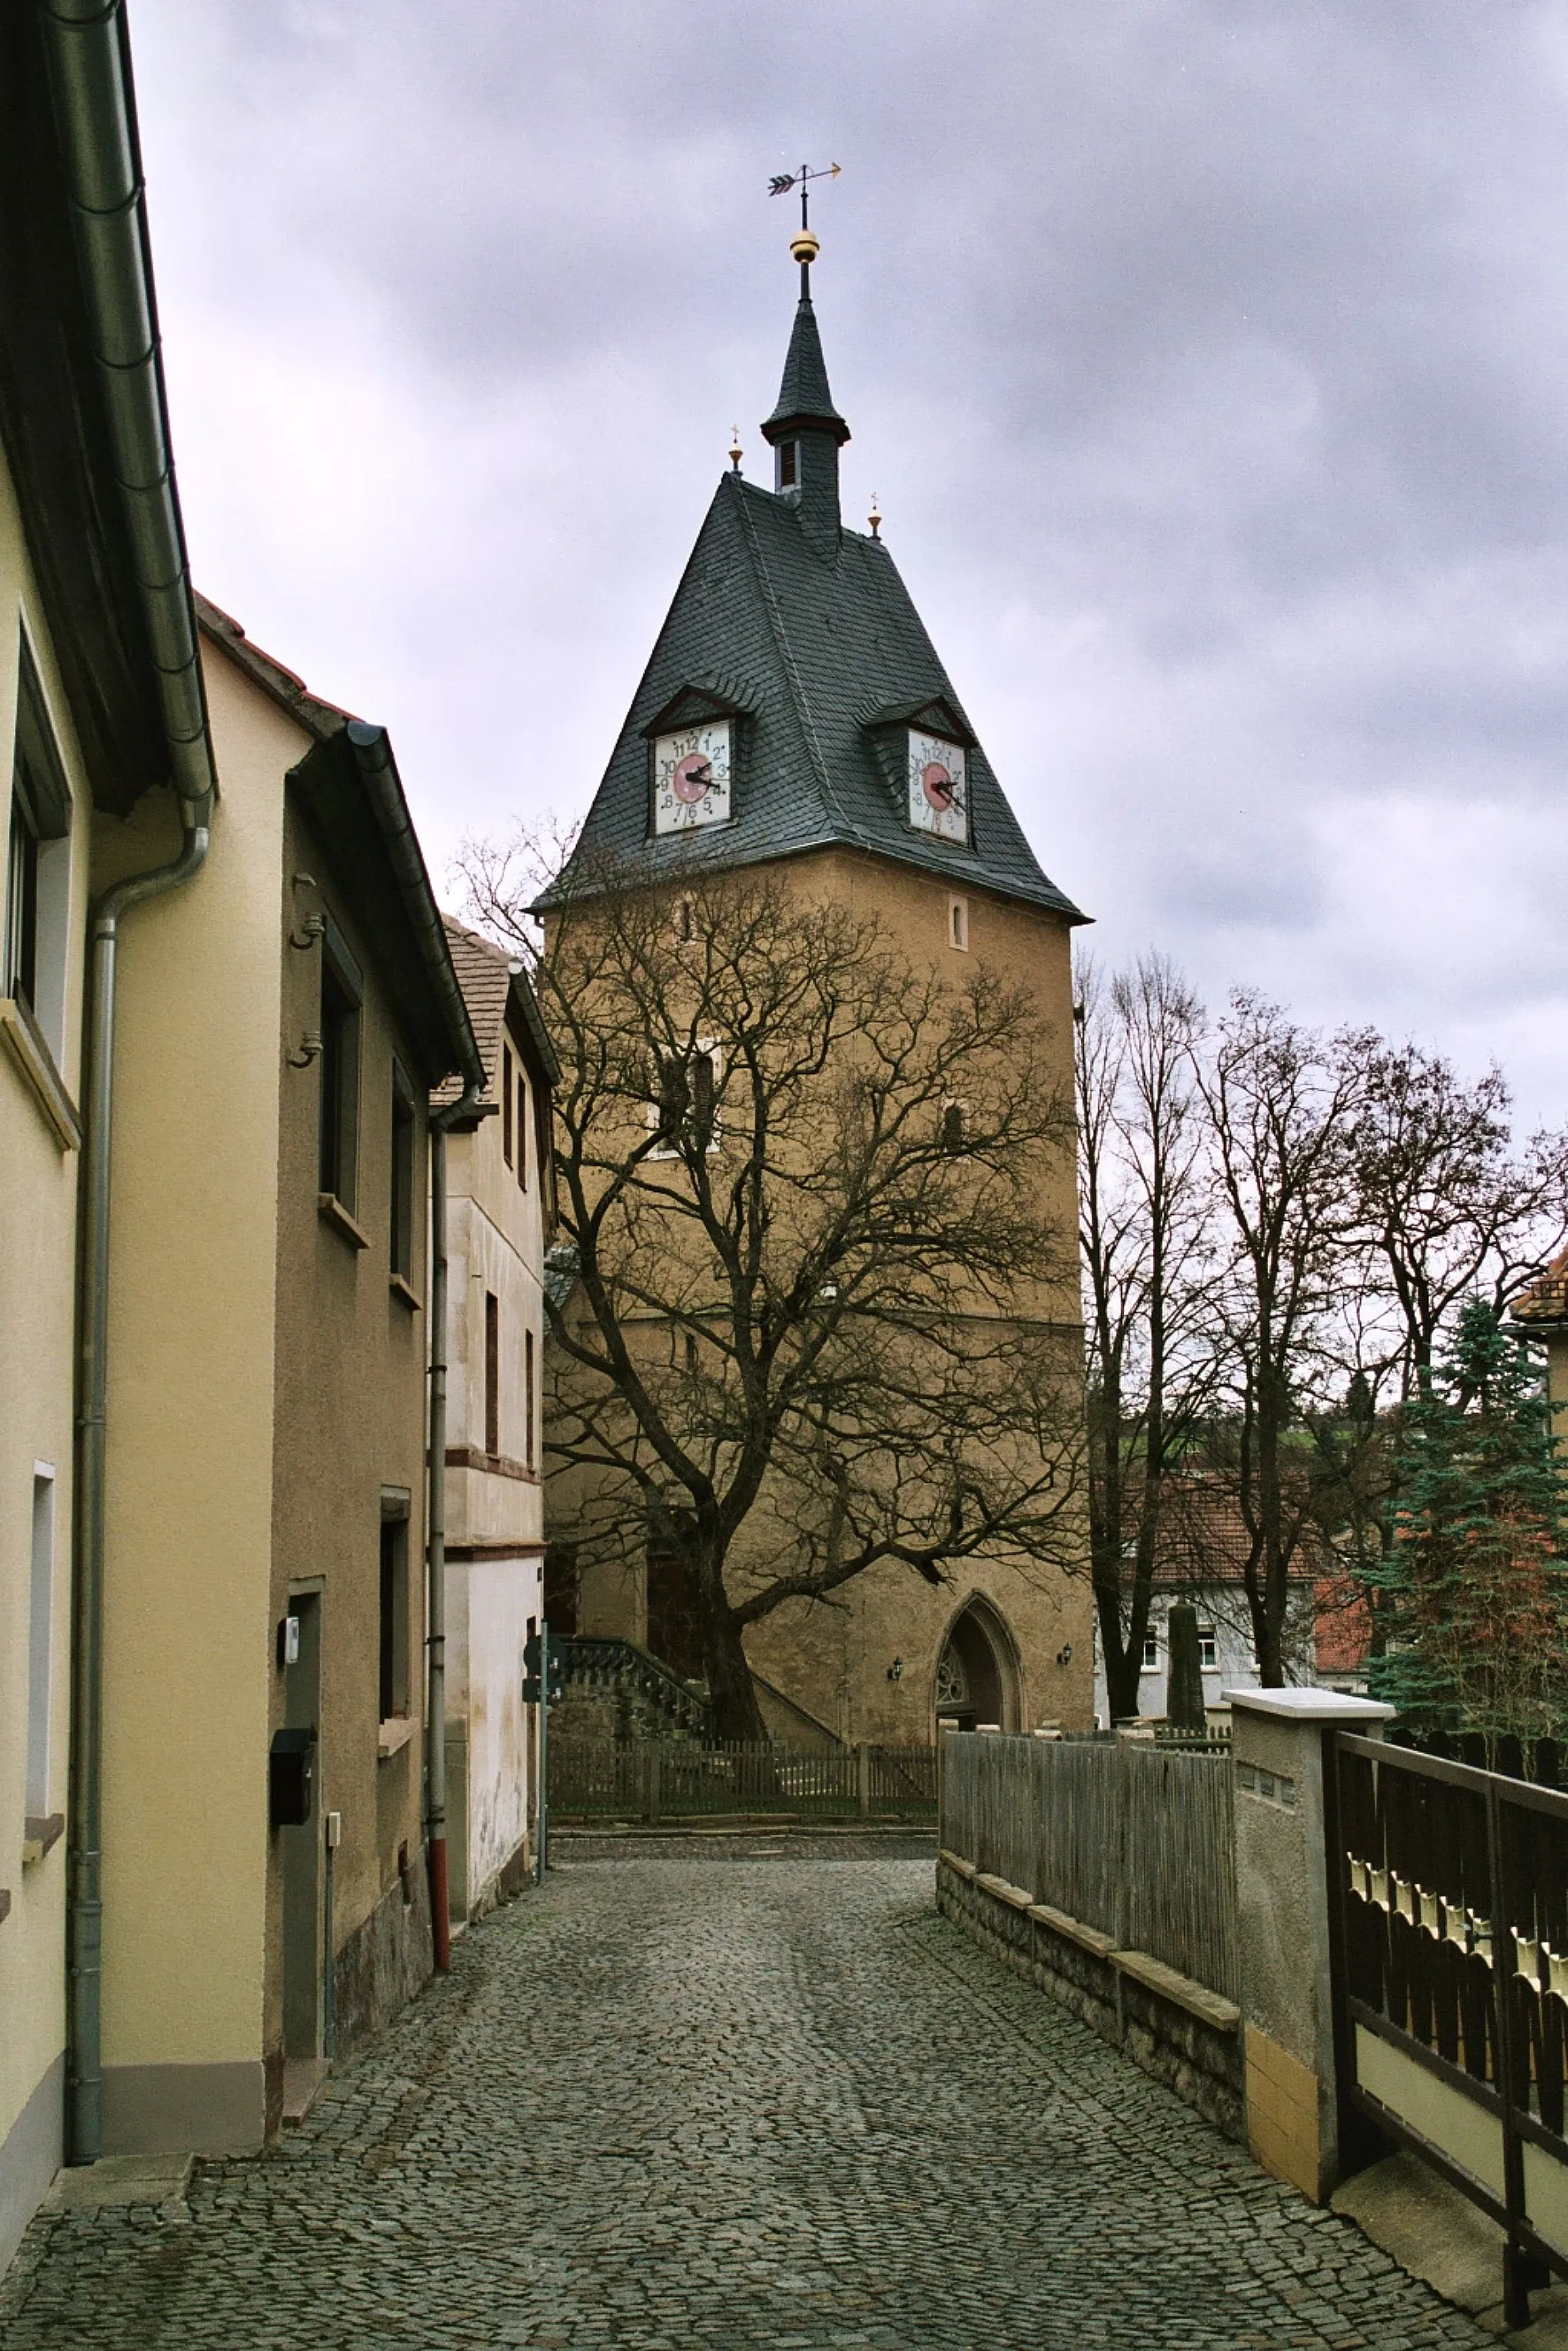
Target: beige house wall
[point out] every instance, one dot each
(349, 1428)
(39, 1173)
(864, 1664)
(194, 1243)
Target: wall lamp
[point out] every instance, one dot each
(1064, 1654)
(895, 1671)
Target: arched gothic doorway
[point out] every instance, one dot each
(977, 1680)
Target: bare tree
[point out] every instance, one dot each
(817, 1326)
(1145, 1198)
(1281, 1105)
(1447, 1207)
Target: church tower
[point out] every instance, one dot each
(794, 717)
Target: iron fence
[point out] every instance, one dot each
(651, 1779)
(1133, 1839)
(1452, 1919)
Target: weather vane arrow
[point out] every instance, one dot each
(783, 182)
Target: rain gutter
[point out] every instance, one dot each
(89, 63)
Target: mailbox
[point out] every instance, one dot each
(291, 1776)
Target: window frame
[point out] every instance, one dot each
(36, 900)
(704, 1048)
(958, 923)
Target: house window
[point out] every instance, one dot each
(507, 1103)
(958, 923)
(528, 1396)
(787, 465)
(522, 1130)
(1151, 1653)
(393, 1662)
(560, 1590)
(685, 1111)
(492, 1373)
(41, 1639)
(1208, 1649)
(403, 1136)
(38, 867)
(342, 988)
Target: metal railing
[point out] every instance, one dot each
(1133, 1839)
(1451, 1888)
(649, 1780)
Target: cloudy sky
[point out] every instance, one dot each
(1209, 360)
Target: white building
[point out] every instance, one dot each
(499, 1213)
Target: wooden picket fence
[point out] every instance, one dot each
(651, 1779)
(1132, 1838)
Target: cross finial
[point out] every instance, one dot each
(735, 449)
(875, 517)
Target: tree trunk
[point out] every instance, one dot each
(1184, 1710)
(732, 1693)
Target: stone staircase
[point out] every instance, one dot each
(615, 1690)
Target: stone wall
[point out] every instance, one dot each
(384, 1961)
(1181, 2032)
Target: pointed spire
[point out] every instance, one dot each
(804, 397)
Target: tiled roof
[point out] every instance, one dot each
(492, 978)
(814, 650)
(485, 975)
(1546, 1300)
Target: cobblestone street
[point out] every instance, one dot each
(684, 2103)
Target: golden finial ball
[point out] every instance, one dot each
(804, 247)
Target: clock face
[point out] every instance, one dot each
(938, 788)
(691, 777)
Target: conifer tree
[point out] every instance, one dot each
(1475, 1588)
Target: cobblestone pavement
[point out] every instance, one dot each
(686, 2108)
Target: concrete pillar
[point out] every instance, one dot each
(1282, 1924)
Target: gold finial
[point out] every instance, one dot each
(875, 518)
(804, 247)
(736, 452)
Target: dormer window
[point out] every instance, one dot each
(788, 464)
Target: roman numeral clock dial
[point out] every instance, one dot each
(691, 777)
(938, 788)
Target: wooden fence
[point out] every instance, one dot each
(661, 1779)
(1133, 1839)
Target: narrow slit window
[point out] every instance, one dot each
(340, 994)
(401, 1176)
(507, 1103)
(492, 1373)
(392, 1646)
(953, 1138)
(958, 924)
(522, 1131)
(40, 1643)
(528, 1396)
(787, 465)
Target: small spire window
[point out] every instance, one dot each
(788, 464)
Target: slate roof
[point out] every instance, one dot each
(804, 389)
(813, 649)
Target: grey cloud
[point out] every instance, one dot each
(1211, 357)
